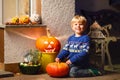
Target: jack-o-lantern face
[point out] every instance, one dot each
(48, 44)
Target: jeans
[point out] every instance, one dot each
(78, 71)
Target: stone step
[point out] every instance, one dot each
(6, 74)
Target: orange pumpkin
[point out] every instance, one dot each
(24, 19)
(48, 43)
(57, 69)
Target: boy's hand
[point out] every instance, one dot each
(68, 62)
(57, 59)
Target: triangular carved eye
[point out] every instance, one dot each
(46, 42)
(51, 42)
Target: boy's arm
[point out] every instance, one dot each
(62, 54)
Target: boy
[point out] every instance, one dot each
(76, 50)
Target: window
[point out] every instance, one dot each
(10, 8)
(0, 11)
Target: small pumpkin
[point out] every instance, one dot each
(35, 19)
(48, 43)
(24, 19)
(15, 20)
(56, 69)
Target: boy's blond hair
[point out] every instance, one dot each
(80, 19)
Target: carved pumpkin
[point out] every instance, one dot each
(48, 43)
(57, 69)
(24, 19)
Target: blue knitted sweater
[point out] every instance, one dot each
(76, 50)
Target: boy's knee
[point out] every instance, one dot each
(72, 72)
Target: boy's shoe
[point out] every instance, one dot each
(95, 72)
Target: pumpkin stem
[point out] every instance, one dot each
(58, 62)
(48, 32)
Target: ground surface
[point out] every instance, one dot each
(108, 76)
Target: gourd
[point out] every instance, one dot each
(24, 19)
(15, 20)
(35, 19)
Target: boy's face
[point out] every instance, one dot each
(78, 28)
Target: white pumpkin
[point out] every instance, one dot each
(35, 18)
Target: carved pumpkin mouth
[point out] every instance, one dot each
(49, 50)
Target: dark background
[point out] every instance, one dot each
(103, 16)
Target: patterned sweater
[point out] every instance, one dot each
(76, 49)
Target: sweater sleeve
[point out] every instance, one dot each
(64, 52)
